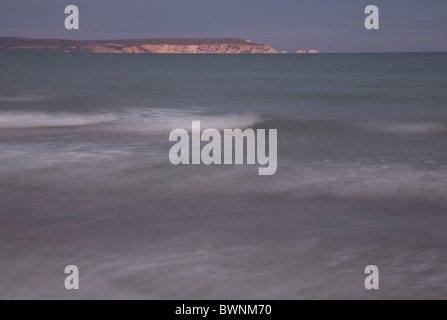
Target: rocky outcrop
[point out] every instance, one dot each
(192, 46)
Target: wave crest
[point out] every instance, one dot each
(407, 128)
(149, 121)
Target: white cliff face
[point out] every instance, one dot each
(141, 46)
(197, 49)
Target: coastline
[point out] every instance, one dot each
(155, 46)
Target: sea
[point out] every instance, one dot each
(85, 177)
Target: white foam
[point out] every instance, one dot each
(307, 179)
(163, 123)
(360, 179)
(39, 120)
(150, 121)
(407, 128)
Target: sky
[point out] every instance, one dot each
(327, 25)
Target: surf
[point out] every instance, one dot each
(156, 121)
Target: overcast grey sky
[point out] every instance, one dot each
(329, 25)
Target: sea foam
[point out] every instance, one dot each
(407, 128)
(146, 121)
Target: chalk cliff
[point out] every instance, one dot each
(168, 45)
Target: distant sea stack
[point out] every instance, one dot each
(310, 51)
(168, 45)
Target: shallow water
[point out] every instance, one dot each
(85, 177)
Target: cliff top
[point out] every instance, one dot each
(159, 45)
(17, 41)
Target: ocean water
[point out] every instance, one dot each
(85, 177)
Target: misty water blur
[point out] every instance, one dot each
(85, 177)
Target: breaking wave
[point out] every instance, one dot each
(151, 121)
(16, 120)
(407, 128)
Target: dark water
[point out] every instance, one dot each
(85, 177)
